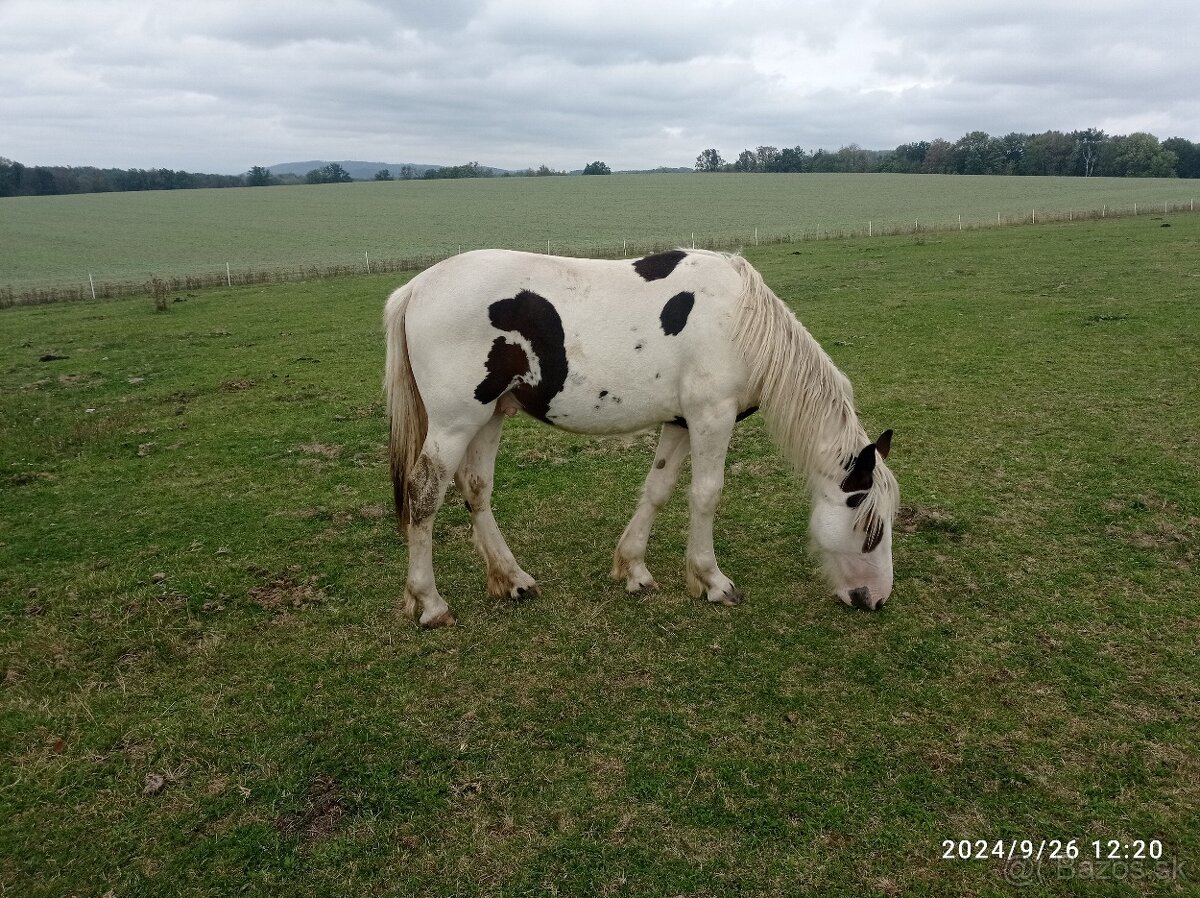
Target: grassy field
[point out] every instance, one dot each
(206, 687)
(55, 241)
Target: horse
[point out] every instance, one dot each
(690, 341)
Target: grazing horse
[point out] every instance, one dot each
(689, 341)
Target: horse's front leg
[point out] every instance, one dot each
(709, 431)
(629, 560)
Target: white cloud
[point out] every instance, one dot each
(225, 85)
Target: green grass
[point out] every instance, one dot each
(199, 581)
(57, 241)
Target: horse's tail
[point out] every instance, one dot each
(406, 409)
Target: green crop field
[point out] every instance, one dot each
(57, 241)
(206, 686)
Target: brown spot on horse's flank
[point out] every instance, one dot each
(660, 464)
(505, 363)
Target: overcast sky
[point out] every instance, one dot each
(218, 86)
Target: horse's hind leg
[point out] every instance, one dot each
(474, 480)
(440, 456)
(629, 560)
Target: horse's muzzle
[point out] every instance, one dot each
(861, 598)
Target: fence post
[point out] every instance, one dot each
(93, 285)
(960, 222)
(368, 258)
(228, 277)
(869, 230)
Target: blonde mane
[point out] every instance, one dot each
(808, 403)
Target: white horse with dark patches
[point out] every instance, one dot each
(687, 341)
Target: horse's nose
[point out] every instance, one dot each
(861, 598)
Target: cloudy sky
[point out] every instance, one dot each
(209, 85)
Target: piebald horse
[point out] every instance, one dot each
(689, 341)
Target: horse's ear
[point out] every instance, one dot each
(860, 477)
(883, 445)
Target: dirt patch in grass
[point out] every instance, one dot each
(323, 810)
(235, 386)
(286, 591)
(324, 450)
(1158, 525)
(918, 519)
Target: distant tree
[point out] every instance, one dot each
(1137, 155)
(383, 175)
(746, 161)
(1049, 153)
(976, 153)
(453, 172)
(597, 168)
(1013, 148)
(908, 158)
(258, 177)
(709, 161)
(545, 171)
(764, 157)
(938, 158)
(407, 173)
(1088, 145)
(11, 176)
(789, 159)
(330, 174)
(1187, 156)
(852, 159)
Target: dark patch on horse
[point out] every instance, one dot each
(660, 464)
(505, 363)
(638, 348)
(535, 319)
(861, 475)
(856, 500)
(603, 393)
(742, 416)
(467, 505)
(874, 528)
(679, 422)
(659, 265)
(675, 313)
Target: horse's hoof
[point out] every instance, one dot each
(445, 619)
(641, 589)
(525, 593)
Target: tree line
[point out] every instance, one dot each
(47, 180)
(1088, 153)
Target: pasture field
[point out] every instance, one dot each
(206, 687)
(132, 237)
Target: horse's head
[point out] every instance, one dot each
(851, 527)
